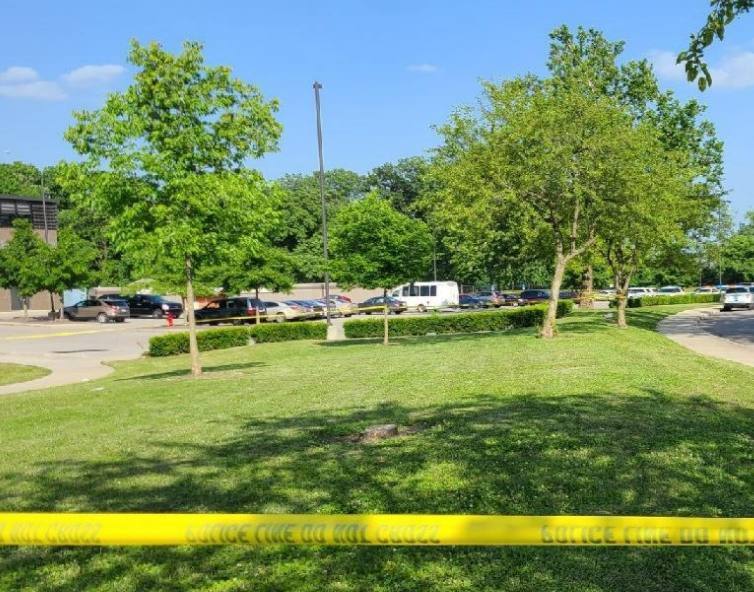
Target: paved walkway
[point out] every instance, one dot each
(693, 329)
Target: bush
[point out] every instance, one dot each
(499, 320)
(661, 299)
(178, 343)
(288, 332)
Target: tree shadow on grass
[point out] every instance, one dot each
(429, 339)
(596, 453)
(207, 369)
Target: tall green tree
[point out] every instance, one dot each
(537, 153)
(300, 229)
(171, 151)
(738, 252)
(646, 187)
(402, 183)
(69, 263)
(22, 262)
(18, 178)
(375, 246)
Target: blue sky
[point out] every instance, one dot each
(390, 69)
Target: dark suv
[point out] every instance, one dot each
(533, 297)
(153, 305)
(238, 310)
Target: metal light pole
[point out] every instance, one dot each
(318, 86)
(44, 204)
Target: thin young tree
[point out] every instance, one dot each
(374, 246)
(22, 262)
(164, 160)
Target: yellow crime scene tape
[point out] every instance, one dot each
(389, 529)
(352, 312)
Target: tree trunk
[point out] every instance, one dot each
(621, 297)
(196, 366)
(587, 295)
(256, 306)
(548, 329)
(25, 304)
(61, 299)
(52, 306)
(622, 302)
(385, 315)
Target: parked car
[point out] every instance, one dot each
(472, 301)
(509, 299)
(377, 304)
(152, 305)
(738, 297)
(568, 295)
(279, 312)
(670, 290)
(319, 307)
(344, 308)
(706, 290)
(533, 297)
(238, 311)
(340, 297)
(332, 307)
(103, 310)
(489, 297)
(640, 292)
(309, 308)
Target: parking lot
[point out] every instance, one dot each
(74, 351)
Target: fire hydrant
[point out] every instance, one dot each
(169, 317)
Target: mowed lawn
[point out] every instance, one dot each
(598, 421)
(13, 373)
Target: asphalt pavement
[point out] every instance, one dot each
(708, 331)
(73, 351)
(735, 325)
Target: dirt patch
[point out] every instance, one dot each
(382, 432)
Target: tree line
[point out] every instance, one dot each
(589, 175)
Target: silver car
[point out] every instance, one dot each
(279, 312)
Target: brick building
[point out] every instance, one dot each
(42, 215)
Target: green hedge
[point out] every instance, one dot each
(288, 332)
(499, 320)
(171, 344)
(661, 299)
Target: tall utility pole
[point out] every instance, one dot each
(46, 229)
(318, 86)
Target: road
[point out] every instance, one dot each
(74, 351)
(736, 325)
(708, 331)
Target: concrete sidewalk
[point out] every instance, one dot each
(63, 371)
(688, 329)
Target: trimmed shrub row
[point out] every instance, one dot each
(661, 299)
(499, 320)
(178, 343)
(288, 332)
(530, 316)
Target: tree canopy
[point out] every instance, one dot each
(164, 161)
(375, 246)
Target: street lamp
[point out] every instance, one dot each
(317, 87)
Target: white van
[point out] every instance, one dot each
(426, 295)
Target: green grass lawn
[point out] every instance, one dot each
(12, 373)
(598, 421)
